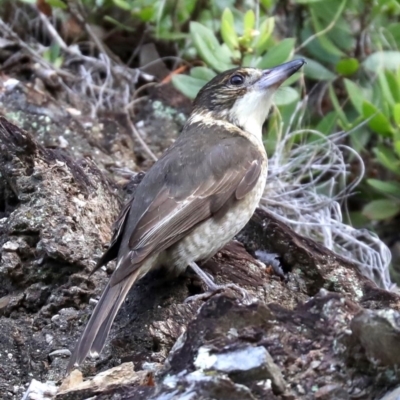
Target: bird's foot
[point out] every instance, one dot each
(214, 289)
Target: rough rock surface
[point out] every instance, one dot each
(315, 329)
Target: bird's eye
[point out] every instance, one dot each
(236, 80)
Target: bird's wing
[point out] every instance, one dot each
(188, 196)
(169, 202)
(118, 228)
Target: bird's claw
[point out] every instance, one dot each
(246, 296)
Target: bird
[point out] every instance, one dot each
(196, 197)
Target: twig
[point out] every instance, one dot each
(140, 139)
(72, 50)
(76, 10)
(53, 33)
(114, 71)
(32, 52)
(179, 70)
(326, 30)
(135, 94)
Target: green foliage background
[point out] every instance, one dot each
(352, 76)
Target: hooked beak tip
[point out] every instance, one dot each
(277, 75)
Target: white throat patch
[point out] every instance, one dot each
(250, 111)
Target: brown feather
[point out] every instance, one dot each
(198, 186)
(249, 180)
(219, 167)
(118, 228)
(164, 223)
(98, 327)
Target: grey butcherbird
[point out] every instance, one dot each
(196, 197)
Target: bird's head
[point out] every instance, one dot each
(243, 96)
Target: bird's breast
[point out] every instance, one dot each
(211, 235)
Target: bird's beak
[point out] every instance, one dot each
(273, 77)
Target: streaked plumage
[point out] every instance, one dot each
(201, 192)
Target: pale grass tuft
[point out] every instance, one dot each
(307, 187)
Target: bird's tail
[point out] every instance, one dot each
(95, 334)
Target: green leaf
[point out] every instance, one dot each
(337, 106)
(347, 66)
(377, 120)
(285, 96)
(325, 42)
(249, 21)
(203, 73)
(314, 48)
(355, 219)
(292, 79)
(146, 14)
(355, 94)
(394, 85)
(334, 27)
(57, 4)
(246, 39)
(328, 123)
(224, 54)
(360, 136)
(55, 52)
(388, 59)
(396, 113)
(188, 85)
(278, 54)
(117, 23)
(208, 47)
(206, 34)
(394, 30)
(124, 5)
(169, 35)
(307, 1)
(387, 158)
(342, 34)
(58, 62)
(315, 70)
(228, 32)
(249, 60)
(381, 209)
(266, 3)
(266, 30)
(385, 89)
(391, 188)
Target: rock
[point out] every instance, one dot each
(310, 264)
(47, 239)
(59, 352)
(392, 395)
(39, 391)
(248, 345)
(202, 387)
(74, 379)
(242, 365)
(330, 392)
(121, 376)
(299, 340)
(378, 333)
